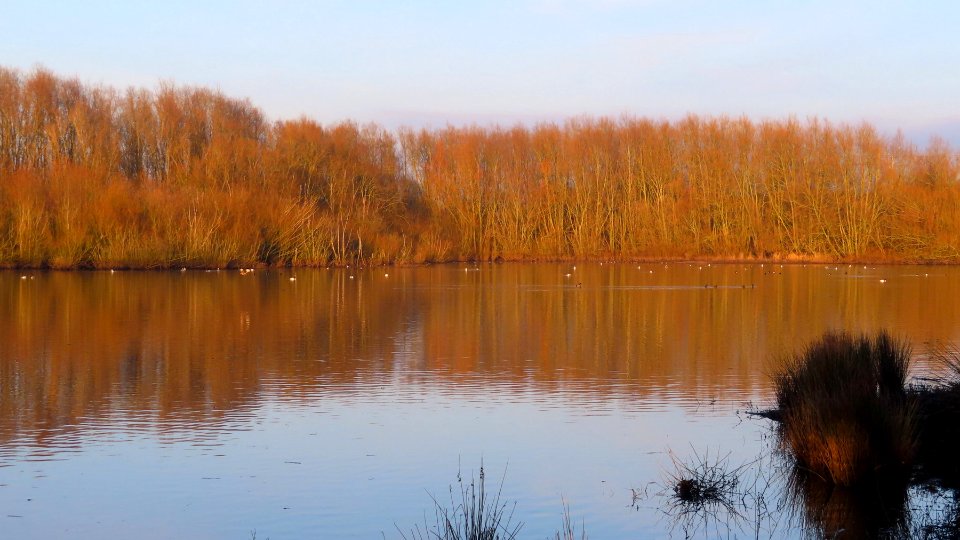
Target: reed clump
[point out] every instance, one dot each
(703, 482)
(707, 495)
(474, 513)
(845, 410)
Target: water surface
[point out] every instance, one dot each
(335, 405)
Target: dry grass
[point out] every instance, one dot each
(846, 415)
(569, 531)
(703, 481)
(473, 513)
(707, 495)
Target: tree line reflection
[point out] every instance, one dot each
(186, 348)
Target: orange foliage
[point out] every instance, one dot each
(92, 177)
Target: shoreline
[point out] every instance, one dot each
(791, 260)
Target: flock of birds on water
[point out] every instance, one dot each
(568, 275)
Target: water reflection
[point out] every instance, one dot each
(196, 358)
(880, 509)
(196, 346)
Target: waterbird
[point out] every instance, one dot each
(292, 278)
(883, 281)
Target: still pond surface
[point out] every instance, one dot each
(337, 404)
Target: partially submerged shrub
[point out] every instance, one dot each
(844, 407)
(707, 495)
(703, 481)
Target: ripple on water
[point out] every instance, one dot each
(204, 406)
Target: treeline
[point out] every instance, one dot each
(181, 176)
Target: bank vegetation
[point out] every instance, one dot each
(94, 177)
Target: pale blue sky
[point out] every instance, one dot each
(895, 64)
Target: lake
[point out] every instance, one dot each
(338, 403)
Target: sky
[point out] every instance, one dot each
(895, 64)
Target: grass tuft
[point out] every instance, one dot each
(845, 411)
(569, 530)
(476, 513)
(706, 495)
(479, 514)
(703, 481)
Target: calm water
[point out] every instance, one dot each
(209, 405)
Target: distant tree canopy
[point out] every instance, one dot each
(181, 176)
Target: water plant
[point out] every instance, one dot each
(473, 513)
(703, 481)
(706, 494)
(569, 531)
(845, 412)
